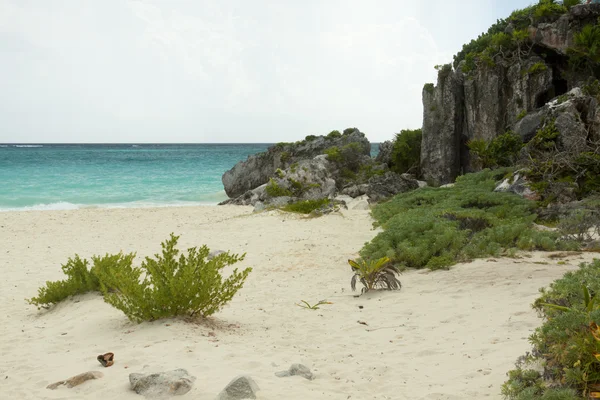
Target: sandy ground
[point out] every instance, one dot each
(445, 335)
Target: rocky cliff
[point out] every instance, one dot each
(499, 93)
(259, 168)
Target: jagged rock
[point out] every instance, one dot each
(176, 382)
(385, 153)
(305, 180)
(259, 168)
(390, 184)
(528, 126)
(519, 185)
(296, 370)
(574, 116)
(355, 190)
(556, 36)
(76, 380)
(242, 387)
(490, 99)
(442, 127)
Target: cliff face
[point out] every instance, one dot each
(491, 99)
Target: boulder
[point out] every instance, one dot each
(162, 384)
(304, 180)
(388, 185)
(76, 380)
(355, 190)
(297, 370)
(259, 168)
(241, 387)
(517, 184)
(385, 153)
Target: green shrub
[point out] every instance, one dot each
(79, 280)
(274, 190)
(548, 11)
(429, 88)
(352, 154)
(310, 138)
(502, 151)
(349, 131)
(406, 152)
(171, 284)
(522, 382)
(284, 156)
(536, 68)
(443, 70)
(522, 115)
(546, 137)
(436, 228)
(579, 225)
(592, 88)
(585, 53)
(333, 154)
(566, 292)
(571, 3)
(334, 135)
(497, 43)
(566, 343)
(307, 206)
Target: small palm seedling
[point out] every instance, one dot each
(374, 274)
(314, 306)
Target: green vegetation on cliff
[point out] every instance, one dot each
(406, 153)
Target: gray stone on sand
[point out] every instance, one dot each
(162, 384)
(241, 387)
(296, 370)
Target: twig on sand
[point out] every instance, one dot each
(384, 327)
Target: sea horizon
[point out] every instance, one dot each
(66, 176)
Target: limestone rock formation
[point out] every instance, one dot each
(259, 168)
(488, 100)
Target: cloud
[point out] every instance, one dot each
(235, 71)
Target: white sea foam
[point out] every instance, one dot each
(134, 204)
(28, 145)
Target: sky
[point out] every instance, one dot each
(224, 71)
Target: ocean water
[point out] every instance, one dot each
(70, 176)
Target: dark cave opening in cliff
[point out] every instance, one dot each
(559, 64)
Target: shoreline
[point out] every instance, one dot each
(446, 335)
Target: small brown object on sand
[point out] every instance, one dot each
(77, 380)
(106, 359)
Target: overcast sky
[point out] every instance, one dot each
(224, 70)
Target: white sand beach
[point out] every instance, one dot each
(446, 335)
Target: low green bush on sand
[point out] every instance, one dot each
(567, 345)
(80, 279)
(436, 228)
(169, 285)
(307, 206)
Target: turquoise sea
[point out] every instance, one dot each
(69, 176)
